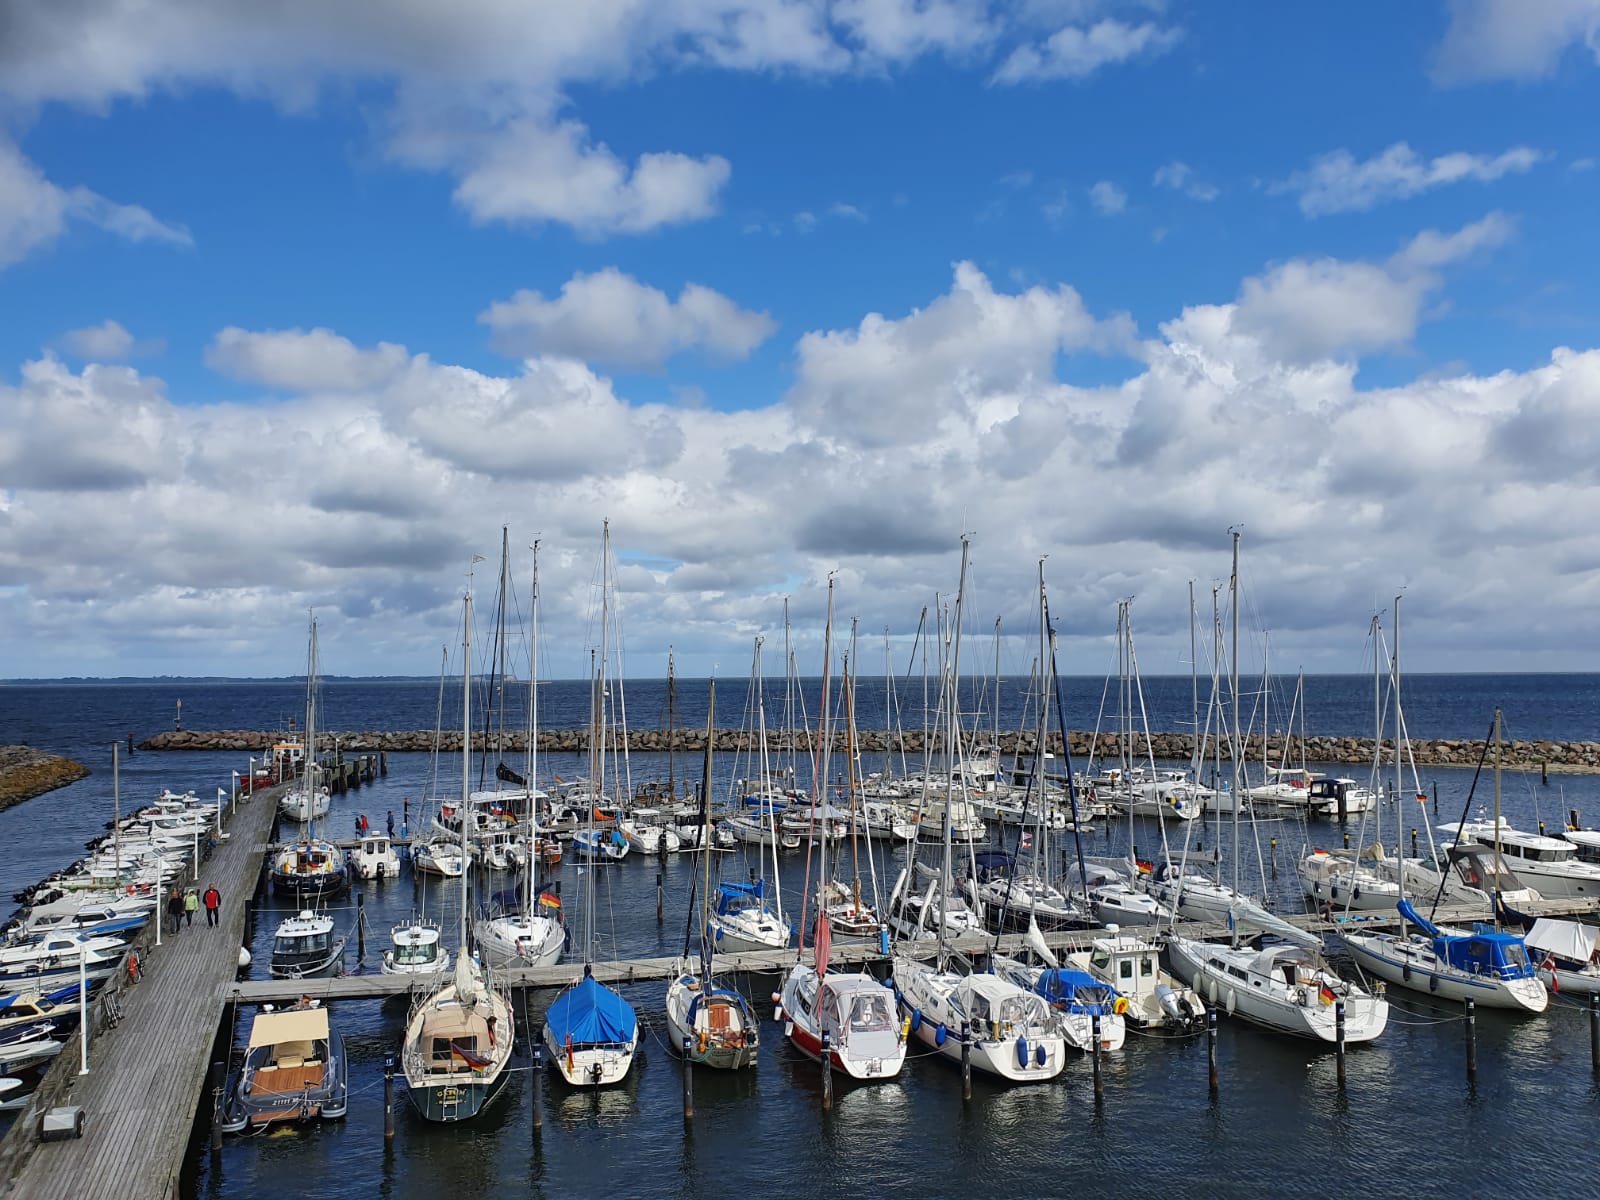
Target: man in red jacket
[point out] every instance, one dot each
(212, 900)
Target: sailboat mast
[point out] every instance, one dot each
(952, 749)
(1233, 675)
(533, 730)
(1499, 866)
(466, 750)
(705, 833)
(672, 784)
(1397, 763)
(1194, 688)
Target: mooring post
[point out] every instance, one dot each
(388, 1097)
(538, 1084)
(1274, 857)
(1541, 828)
(966, 1060)
(688, 1079)
(361, 926)
(1544, 773)
(1594, 1031)
(658, 898)
(1099, 1079)
(1346, 836)
(1472, 1042)
(827, 1075)
(1413, 843)
(1338, 1039)
(1211, 1046)
(216, 1104)
(1436, 797)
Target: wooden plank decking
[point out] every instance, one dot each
(148, 1075)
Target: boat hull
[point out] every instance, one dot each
(1412, 965)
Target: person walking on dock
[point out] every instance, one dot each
(191, 901)
(174, 908)
(213, 900)
(391, 824)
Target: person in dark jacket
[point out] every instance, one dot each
(174, 909)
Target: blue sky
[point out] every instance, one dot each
(221, 236)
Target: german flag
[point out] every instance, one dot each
(461, 1054)
(1325, 993)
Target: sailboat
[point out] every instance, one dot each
(744, 918)
(457, 1050)
(991, 1021)
(533, 936)
(1485, 965)
(310, 867)
(1287, 987)
(591, 1031)
(845, 1019)
(712, 1024)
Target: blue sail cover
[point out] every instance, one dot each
(589, 1012)
(1076, 991)
(731, 897)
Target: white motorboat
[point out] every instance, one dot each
(375, 858)
(306, 946)
(1568, 954)
(600, 844)
(1132, 965)
(1342, 879)
(1327, 797)
(1548, 864)
(415, 948)
(647, 832)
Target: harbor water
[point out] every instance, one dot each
(1407, 1120)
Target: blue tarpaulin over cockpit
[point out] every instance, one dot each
(590, 1013)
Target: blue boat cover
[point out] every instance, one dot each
(588, 1012)
(1077, 991)
(730, 892)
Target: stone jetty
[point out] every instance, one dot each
(1571, 757)
(26, 773)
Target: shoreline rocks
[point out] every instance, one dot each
(1569, 757)
(26, 773)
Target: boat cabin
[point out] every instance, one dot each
(456, 1038)
(306, 945)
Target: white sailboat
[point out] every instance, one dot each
(1287, 987)
(458, 1040)
(712, 1024)
(533, 935)
(591, 1031)
(1000, 1025)
(847, 1018)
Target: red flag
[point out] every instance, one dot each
(1549, 964)
(1325, 993)
(819, 944)
(471, 1057)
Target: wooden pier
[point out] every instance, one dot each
(147, 1074)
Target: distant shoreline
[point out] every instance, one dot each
(1287, 678)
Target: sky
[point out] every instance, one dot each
(303, 303)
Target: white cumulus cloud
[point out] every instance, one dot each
(303, 360)
(610, 317)
(1077, 51)
(1108, 198)
(1513, 39)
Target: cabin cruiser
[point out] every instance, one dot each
(1324, 797)
(438, 857)
(1284, 987)
(1132, 965)
(307, 945)
(648, 833)
(294, 1069)
(415, 949)
(375, 858)
(1549, 864)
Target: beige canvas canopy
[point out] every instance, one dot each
(295, 1025)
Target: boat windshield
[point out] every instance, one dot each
(420, 952)
(870, 1014)
(302, 943)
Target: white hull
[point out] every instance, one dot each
(1296, 1009)
(588, 1066)
(1412, 964)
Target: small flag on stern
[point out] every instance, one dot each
(1325, 993)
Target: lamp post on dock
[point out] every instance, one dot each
(83, 1004)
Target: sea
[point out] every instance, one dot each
(1407, 1121)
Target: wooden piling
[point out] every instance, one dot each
(688, 1079)
(218, 1076)
(538, 1084)
(1338, 1042)
(966, 1061)
(1472, 1042)
(361, 927)
(1594, 1031)
(1211, 1046)
(1099, 1079)
(388, 1098)
(827, 1075)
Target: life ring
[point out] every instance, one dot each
(1119, 1005)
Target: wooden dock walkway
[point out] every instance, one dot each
(853, 954)
(147, 1074)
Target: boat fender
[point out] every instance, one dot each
(994, 1029)
(1355, 893)
(1022, 1050)
(777, 996)
(788, 1029)
(916, 1019)
(1213, 993)
(938, 1035)
(702, 1041)
(1405, 972)
(777, 1012)
(719, 933)
(905, 1028)
(1039, 1056)
(1232, 1000)
(1433, 983)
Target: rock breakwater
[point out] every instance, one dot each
(26, 773)
(1571, 757)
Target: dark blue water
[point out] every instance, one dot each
(1278, 1125)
